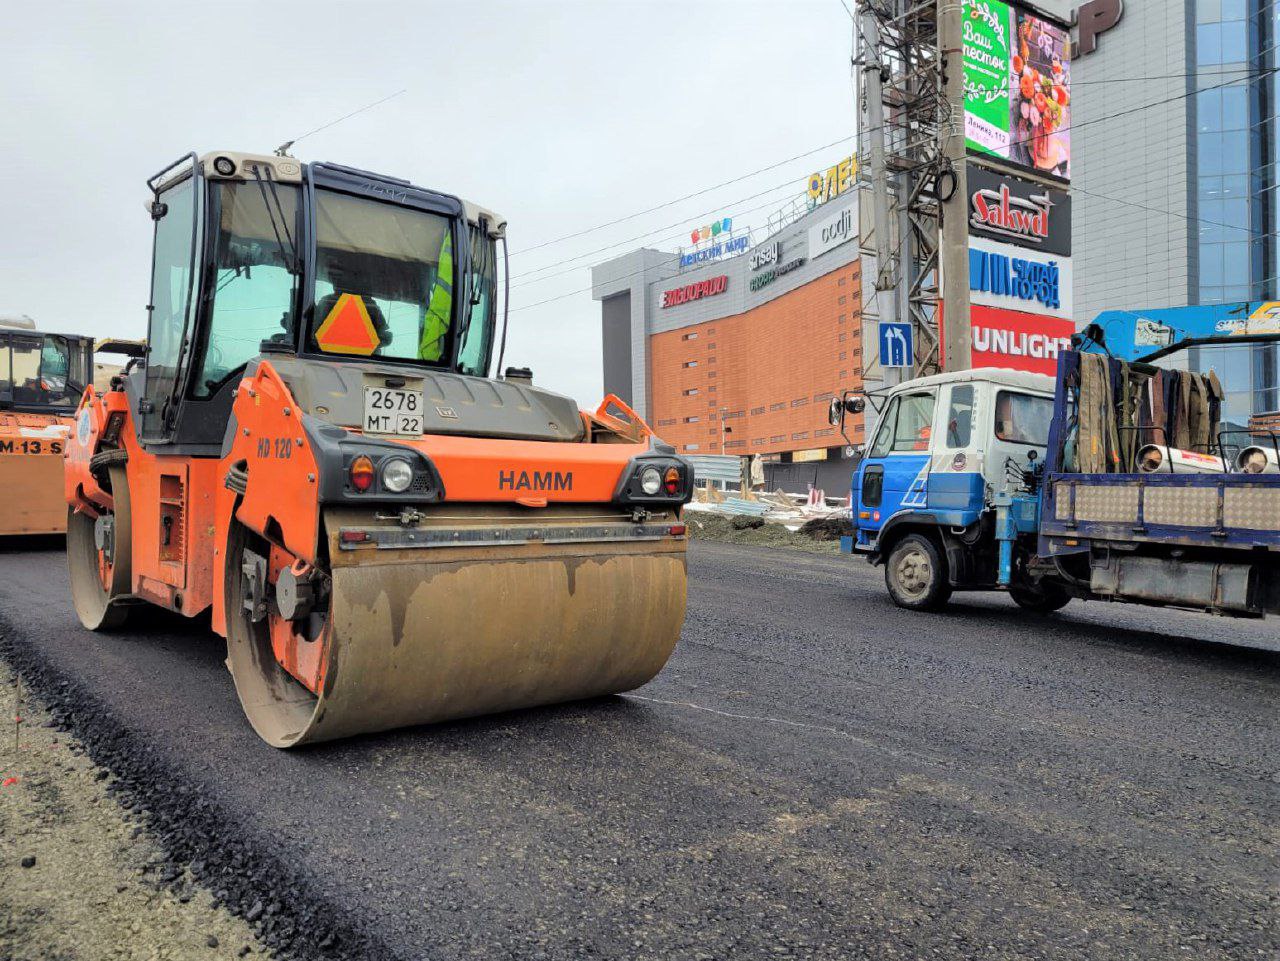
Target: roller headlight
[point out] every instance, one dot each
(657, 479)
(397, 475)
(651, 480)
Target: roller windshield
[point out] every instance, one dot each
(385, 280)
(42, 372)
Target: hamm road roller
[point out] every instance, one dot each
(41, 379)
(311, 447)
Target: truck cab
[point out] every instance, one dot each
(944, 447)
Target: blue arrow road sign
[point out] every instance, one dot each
(895, 345)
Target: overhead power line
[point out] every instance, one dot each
(325, 126)
(696, 193)
(649, 233)
(1111, 116)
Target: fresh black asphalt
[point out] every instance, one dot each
(816, 774)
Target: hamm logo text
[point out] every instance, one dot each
(536, 480)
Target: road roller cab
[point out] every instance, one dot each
(312, 449)
(41, 379)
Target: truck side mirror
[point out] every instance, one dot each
(841, 405)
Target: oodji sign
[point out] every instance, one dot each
(703, 288)
(1019, 212)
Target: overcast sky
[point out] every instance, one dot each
(559, 115)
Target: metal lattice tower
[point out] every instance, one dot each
(904, 117)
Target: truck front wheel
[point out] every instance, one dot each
(916, 574)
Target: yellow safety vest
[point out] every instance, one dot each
(435, 323)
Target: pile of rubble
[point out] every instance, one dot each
(814, 514)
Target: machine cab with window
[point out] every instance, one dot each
(943, 446)
(43, 374)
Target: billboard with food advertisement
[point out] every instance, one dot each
(1017, 87)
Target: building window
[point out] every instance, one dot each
(756, 410)
(843, 298)
(777, 438)
(822, 398)
(711, 373)
(691, 363)
(691, 420)
(735, 443)
(843, 355)
(711, 389)
(711, 346)
(757, 441)
(857, 351)
(843, 337)
(690, 446)
(800, 402)
(844, 374)
(692, 335)
(843, 318)
(778, 406)
(711, 360)
(840, 282)
(691, 392)
(800, 435)
(825, 432)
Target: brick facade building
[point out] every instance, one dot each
(756, 343)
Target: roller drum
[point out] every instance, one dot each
(418, 635)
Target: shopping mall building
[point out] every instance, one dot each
(736, 343)
(1175, 173)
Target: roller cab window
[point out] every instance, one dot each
(254, 281)
(42, 372)
(477, 335)
(385, 281)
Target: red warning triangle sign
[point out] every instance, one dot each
(347, 329)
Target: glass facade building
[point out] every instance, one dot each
(1236, 200)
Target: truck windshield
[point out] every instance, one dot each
(41, 372)
(384, 280)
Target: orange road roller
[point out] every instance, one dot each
(42, 377)
(312, 448)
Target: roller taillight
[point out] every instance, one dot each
(671, 481)
(362, 473)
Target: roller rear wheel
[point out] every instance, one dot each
(100, 560)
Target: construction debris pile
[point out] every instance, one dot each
(815, 514)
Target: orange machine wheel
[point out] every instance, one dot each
(277, 664)
(99, 556)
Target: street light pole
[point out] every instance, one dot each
(724, 429)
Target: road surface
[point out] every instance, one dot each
(816, 774)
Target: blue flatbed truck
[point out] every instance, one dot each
(969, 484)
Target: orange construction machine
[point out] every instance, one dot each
(313, 448)
(41, 379)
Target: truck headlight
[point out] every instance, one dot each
(397, 475)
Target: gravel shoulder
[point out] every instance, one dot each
(80, 879)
